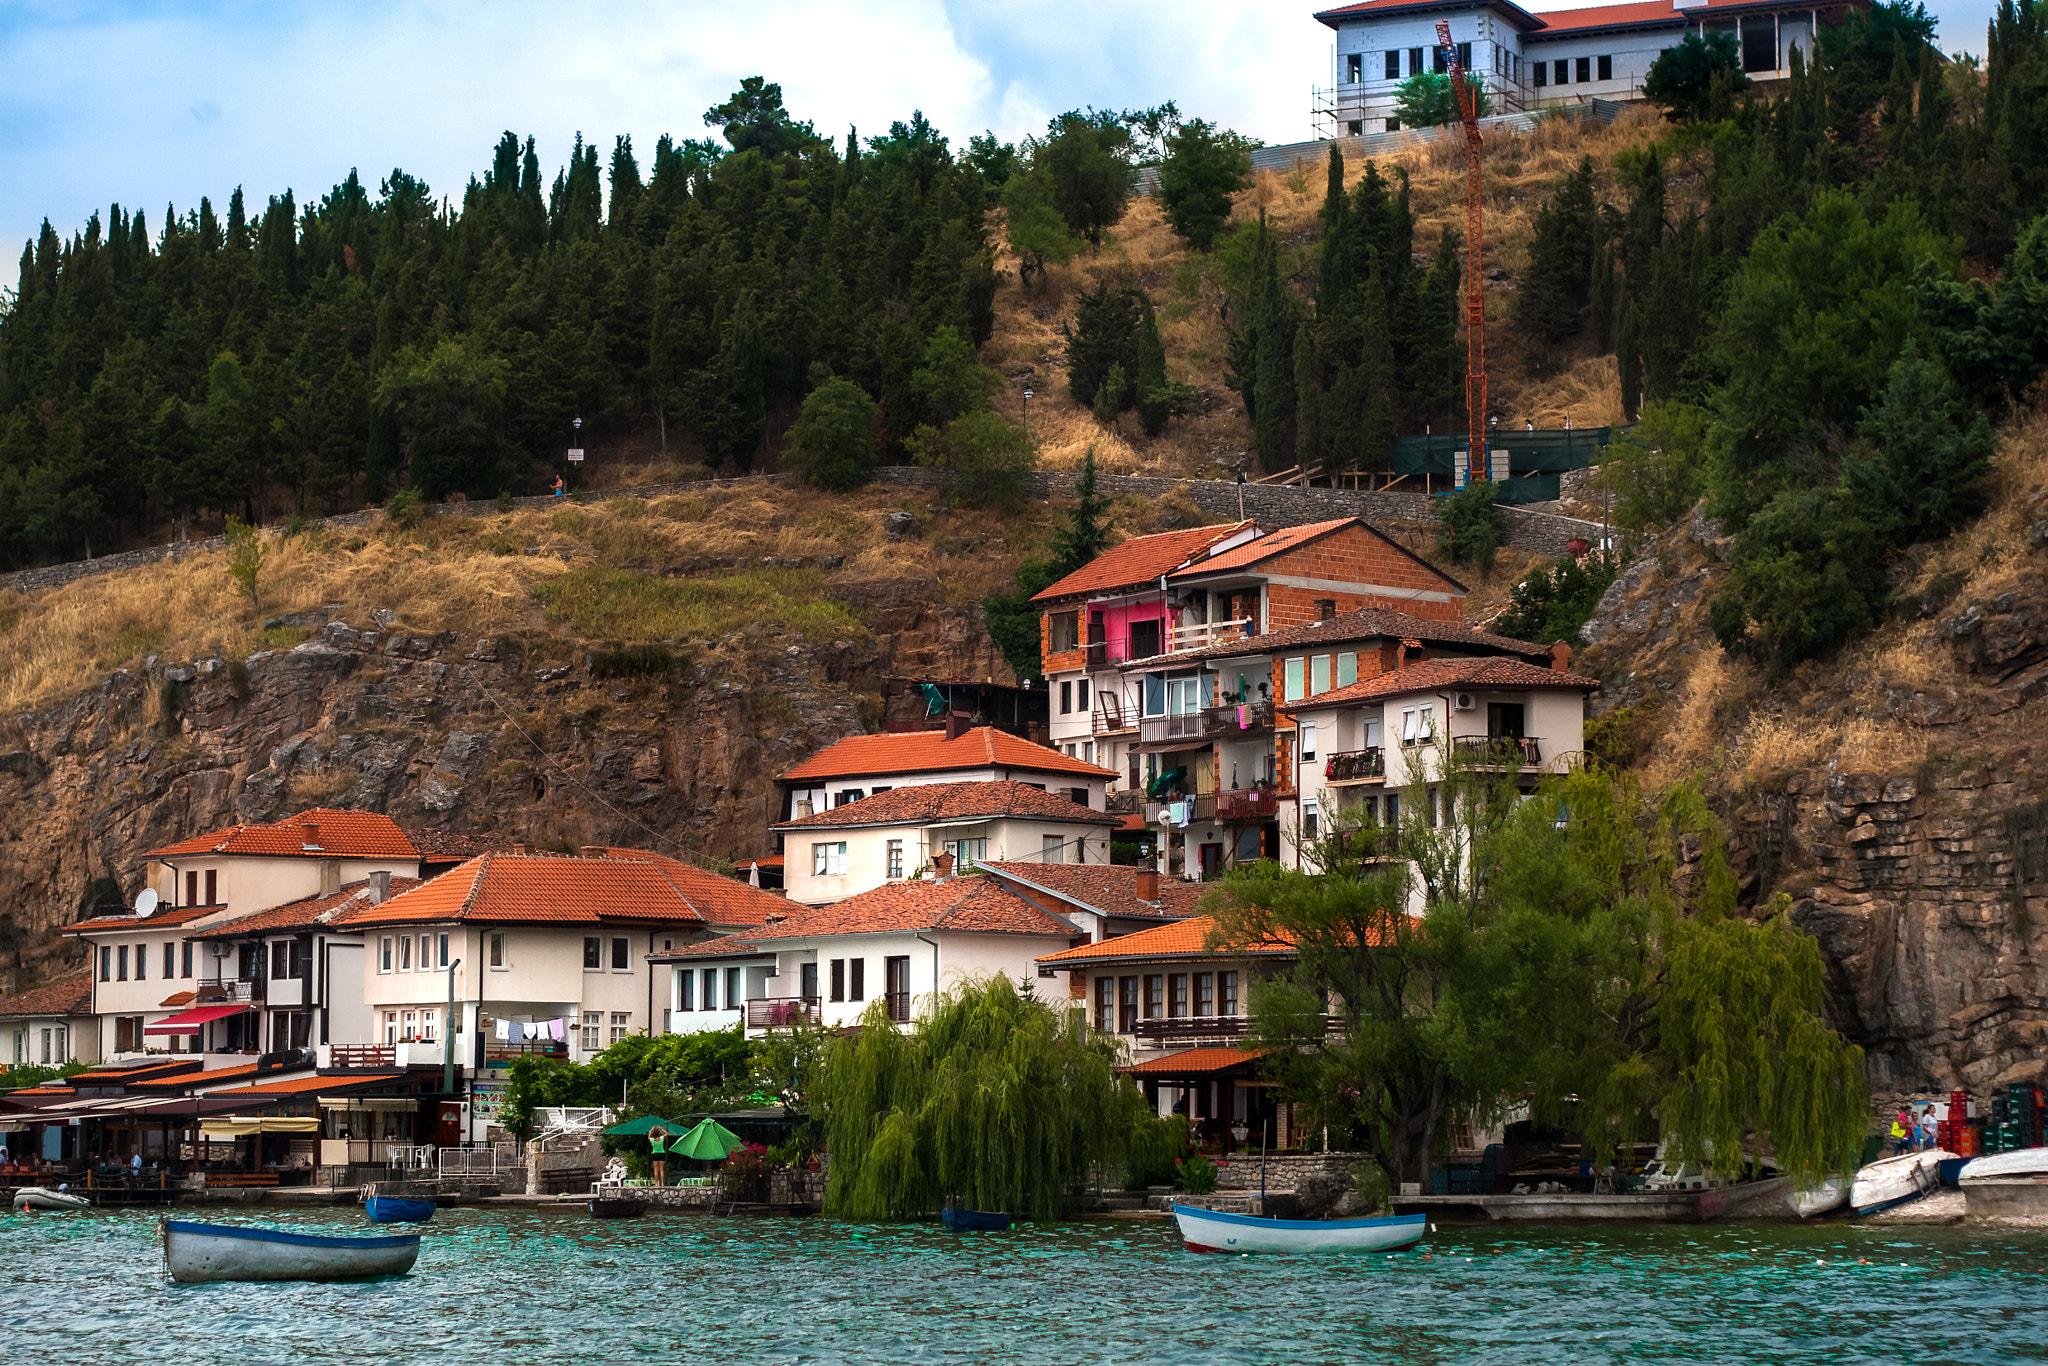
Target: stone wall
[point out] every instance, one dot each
(1284, 1171)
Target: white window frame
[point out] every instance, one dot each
(1051, 849)
(1318, 674)
(1308, 740)
(892, 859)
(829, 859)
(612, 953)
(405, 953)
(1310, 814)
(498, 951)
(1292, 677)
(384, 954)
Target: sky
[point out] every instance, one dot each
(157, 102)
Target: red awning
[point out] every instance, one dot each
(189, 1022)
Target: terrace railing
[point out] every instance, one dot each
(1355, 765)
(781, 1012)
(1500, 751)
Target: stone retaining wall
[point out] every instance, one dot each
(1284, 1171)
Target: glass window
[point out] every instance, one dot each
(141, 962)
(622, 955)
(735, 988)
(106, 964)
(1427, 722)
(1308, 740)
(1105, 1004)
(1066, 698)
(170, 959)
(1292, 684)
(212, 897)
(405, 953)
(1347, 668)
(839, 979)
(185, 959)
(686, 989)
(711, 988)
(1226, 993)
(1585, 70)
(593, 1031)
(1308, 820)
(1155, 996)
(1177, 995)
(807, 979)
(1205, 993)
(442, 956)
(278, 963)
(1408, 726)
(1561, 72)
(1606, 68)
(497, 949)
(384, 954)
(1435, 808)
(1319, 675)
(619, 1025)
(593, 953)
(1050, 847)
(1183, 696)
(1354, 67)
(1081, 695)
(967, 853)
(1155, 694)
(1126, 1004)
(829, 860)
(426, 952)
(1542, 73)
(894, 860)
(121, 964)
(1392, 67)
(1392, 803)
(1062, 632)
(1415, 61)
(856, 979)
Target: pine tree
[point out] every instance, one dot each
(1083, 531)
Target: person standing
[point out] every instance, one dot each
(1902, 1134)
(1927, 1128)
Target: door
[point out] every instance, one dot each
(448, 1124)
(896, 979)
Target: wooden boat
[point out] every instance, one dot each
(45, 1199)
(962, 1220)
(1892, 1181)
(195, 1252)
(1813, 1201)
(391, 1209)
(616, 1207)
(1205, 1230)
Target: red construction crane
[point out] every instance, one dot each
(1475, 283)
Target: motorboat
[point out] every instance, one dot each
(44, 1199)
(1810, 1202)
(616, 1207)
(962, 1220)
(196, 1252)
(1892, 1181)
(392, 1209)
(1204, 1230)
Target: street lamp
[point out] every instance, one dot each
(1027, 414)
(448, 1036)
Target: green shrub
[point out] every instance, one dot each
(1553, 604)
(1197, 1174)
(405, 510)
(1656, 472)
(990, 457)
(1473, 527)
(833, 438)
(246, 552)
(504, 501)
(1806, 573)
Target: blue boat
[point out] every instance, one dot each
(195, 1252)
(390, 1209)
(973, 1220)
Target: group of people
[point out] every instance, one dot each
(1913, 1135)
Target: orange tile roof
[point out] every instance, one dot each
(179, 998)
(1367, 623)
(1515, 14)
(164, 918)
(970, 904)
(1562, 21)
(352, 834)
(1180, 939)
(1138, 561)
(68, 997)
(1432, 674)
(1105, 887)
(929, 751)
(921, 803)
(292, 1086)
(624, 885)
(306, 911)
(1294, 538)
(1194, 1061)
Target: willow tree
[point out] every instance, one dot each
(1579, 953)
(993, 1102)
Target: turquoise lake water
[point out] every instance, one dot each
(518, 1286)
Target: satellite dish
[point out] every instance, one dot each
(146, 903)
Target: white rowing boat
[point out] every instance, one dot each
(43, 1198)
(1205, 1230)
(1813, 1201)
(195, 1252)
(1892, 1181)
(2017, 1165)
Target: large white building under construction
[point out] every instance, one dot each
(1529, 61)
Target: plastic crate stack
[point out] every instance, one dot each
(2016, 1118)
(1959, 1133)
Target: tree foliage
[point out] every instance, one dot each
(246, 551)
(1426, 100)
(1656, 471)
(1471, 525)
(1086, 160)
(1686, 79)
(1204, 168)
(833, 438)
(992, 1101)
(1557, 289)
(1551, 604)
(652, 1074)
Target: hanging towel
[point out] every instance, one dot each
(505, 1031)
(529, 1031)
(1241, 723)
(555, 1030)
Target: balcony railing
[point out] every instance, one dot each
(781, 1012)
(1183, 1028)
(1109, 716)
(1500, 751)
(241, 989)
(1203, 634)
(899, 1005)
(1247, 804)
(361, 1055)
(1209, 723)
(1355, 765)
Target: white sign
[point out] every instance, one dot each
(576, 454)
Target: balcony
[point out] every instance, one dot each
(1356, 766)
(222, 993)
(1203, 634)
(1209, 723)
(899, 1006)
(1499, 751)
(1247, 804)
(1109, 716)
(1188, 1029)
(781, 1012)
(358, 1055)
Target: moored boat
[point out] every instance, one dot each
(196, 1252)
(1205, 1230)
(1892, 1181)
(2007, 1186)
(1813, 1201)
(391, 1209)
(42, 1198)
(2015, 1165)
(614, 1207)
(962, 1220)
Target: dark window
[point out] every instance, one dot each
(1226, 993)
(593, 953)
(896, 972)
(1393, 808)
(1561, 69)
(1585, 71)
(686, 984)
(1155, 997)
(1144, 639)
(1081, 695)
(1464, 56)
(1105, 1004)
(1355, 127)
(1415, 61)
(1541, 70)
(1177, 996)
(857, 979)
(123, 962)
(1393, 65)
(191, 889)
(106, 964)
(622, 955)
(1505, 719)
(1066, 698)
(1127, 1004)
(170, 961)
(852, 794)
(1605, 67)
(212, 899)
(1393, 125)
(1205, 993)
(839, 979)
(1062, 632)
(280, 955)
(1437, 62)
(185, 960)
(1354, 68)
(1759, 43)
(807, 974)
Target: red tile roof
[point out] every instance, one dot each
(929, 751)
(625, 885)
(922, 803)
(1515, 14)
(1642, 12)
(1290, 538)
(306, 911)
(1139, 561)
(970, 904)
(1181, 939)
(350, 834)
(1196, 1061)
(1367, 623)
(68, 997)
(291, 1086)
(164, 918)
(1105, 887)
(438, 844)
(179, 998)
(1432, 674)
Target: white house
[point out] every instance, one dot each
(1385, 736)
(1527, 60)
(50, 1026)
(900, 943)
(863, 765)
(846, 850)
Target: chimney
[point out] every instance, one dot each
(1148, 885)
(956, 724)
(1561, 657)
(1401, 654)
(1326, 608)
(380, 887)
(330, 876)
(591, 851)
(518, 848)
(312, 836)
(942, 866)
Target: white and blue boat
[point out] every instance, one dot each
(1206, 1230)
(391, 1209)
(196, 1252)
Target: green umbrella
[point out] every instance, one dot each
(637, 1128)
(709, 1142)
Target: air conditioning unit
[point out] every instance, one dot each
(1465, 701)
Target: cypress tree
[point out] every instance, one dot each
(1274, 373)
(1601, 295)
(1629, 361)
(1308, 399)
(1154, 399)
